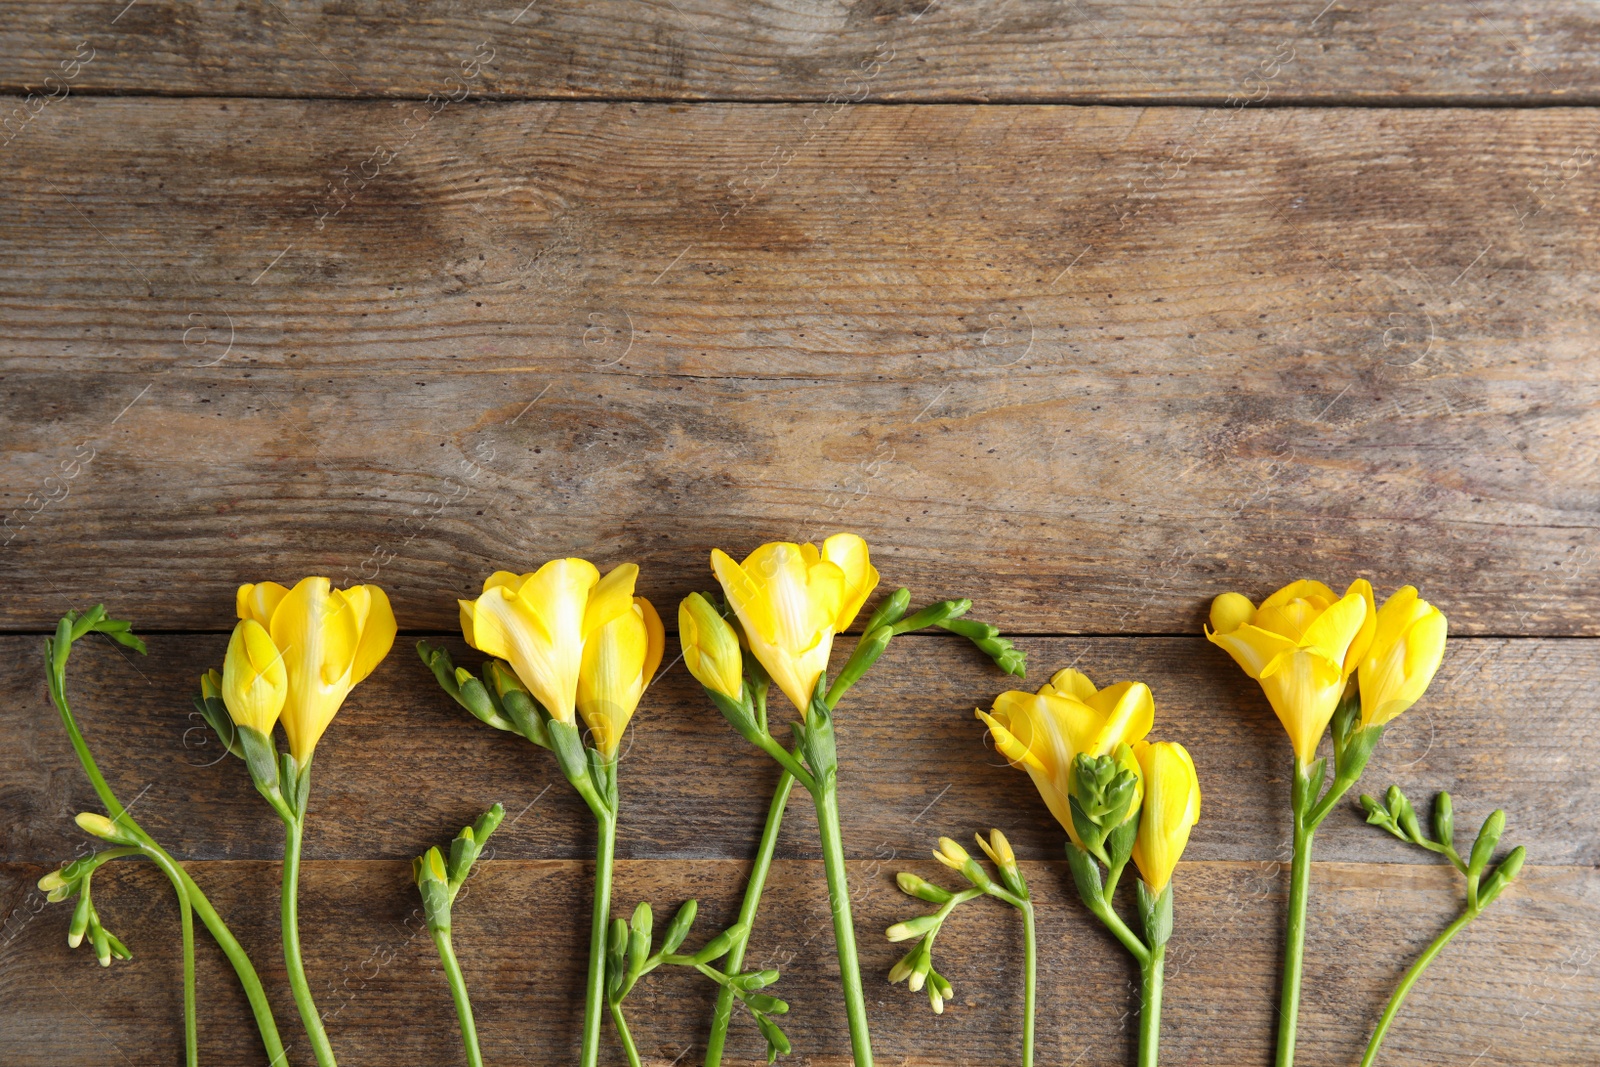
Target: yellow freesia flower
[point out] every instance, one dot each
(1301, 645)
(330, 641)
(1043, 732)
(619, 659)
(1171, 808)
(540, 623)
(255, 683)
(710, 647)
(1406, 650)
(791, 599)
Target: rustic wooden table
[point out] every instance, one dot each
(1086, 311)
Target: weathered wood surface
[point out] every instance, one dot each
(1088, 366)
(1388, 52)
(1519, 987)
(1509, 724)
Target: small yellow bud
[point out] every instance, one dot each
(998, 849)
(92, 822)
(255, 683)
(951, 854)
(710, 647)
(51, 882)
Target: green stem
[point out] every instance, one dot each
(291, 945)
(458, 993)
(1150, 1007)
(1030, 968)
(1294, 946)
(722, 1015)
(1410, 979)
(1113, 922)
(627, 1037)
(191, 1038)
(248, 979)
(594, 999)
(827, 803)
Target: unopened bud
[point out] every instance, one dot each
(91, 822)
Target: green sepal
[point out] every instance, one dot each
(1085, 875)
(1155, 911)
(1502, 876)
(741, 714)
(433, 883)
(294, 783)
(678, 929)
(261, 760)
(571, 757)
(1345, 722)
(816, 736)
(215, 714)
(1350, 760)
(463, 850)
(118, 949)
(527, 716)
(1119, 842)
(1308, 786)
(603, 774)
(916, 886)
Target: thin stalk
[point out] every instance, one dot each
(1030, 967)
(722, 1015)
(855, 1005)
(248, 979)
(1150, 1007)
(1113, 922)
(1295, 944)
(594, 999)
(458, 993)
(291, 945)
(191, 1036)
(627, 1037)
(1410, 979)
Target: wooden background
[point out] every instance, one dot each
(1088, 311)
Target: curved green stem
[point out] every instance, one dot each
(625, 1035)
(191, 1037)
(1150, 1007)
(458, 993)
(855, 1004)
(291, 944)
(1410, 979)
(1113, 922)
(594, 998)
(1030, 968)
(722, 1015)
(1295, 943)
(260, 1008)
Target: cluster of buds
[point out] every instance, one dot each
(1395, 814)
(629, 958)
(439, 878)
(915, 968)
(75, 877)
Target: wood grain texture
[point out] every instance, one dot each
(1508, 724)
(1389, 52)
(1522, 981)
(1087, 366)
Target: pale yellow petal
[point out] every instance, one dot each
(849, 552)
(259, 601)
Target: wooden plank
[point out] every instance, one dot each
(1507, 723)
(1522, 981)
(1241, 51)
(1029, 360)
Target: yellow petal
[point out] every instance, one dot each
(505, 579)
(259, 601)
(1171, 808)
(1129, 719)
(1405, 654)
(1369, 626)
(378, 628)
(710, 647)
(1074, 684)
(611, 597)
(318, 633)
(1251, 647)
(466, 609)
(744, 596)
(849, 552)
(1015, 752)
(655, 635)
(1231, 611)
(255, 683)
(611, 679)
(1336, 628)
(507, 627)
(1304, 589)
(1304, 690)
